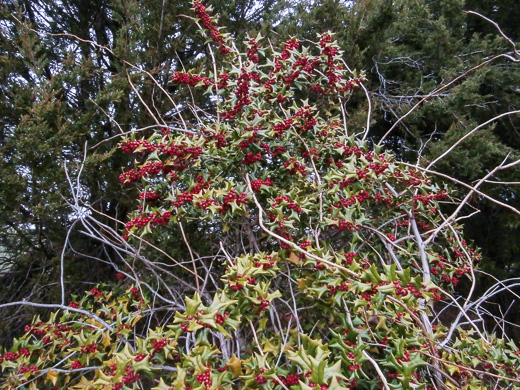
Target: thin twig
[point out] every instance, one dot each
(292, 244)
(440, 89)
(461, 139)
(62, 307)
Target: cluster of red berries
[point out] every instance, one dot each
(241, 93)
(281, 98)
(264, 265)
(360, 197)
(416, 179)
(281, 127)
(151, 168)
(403, 291)
(289, 380)
(300, 65)
(94, 291)
(223, 79)
(195, 318)
(204, 204)
(320, 387)
(122, 327)
(149, 195)
(260, 379)
(293, 166)
(143, 146)
(23, 352)
(290, 204)
(453, 280)
(304, 115)
(9, 357)
(355, 366)
(362, 173)
(251, 158)
(181, 157)
(24, 368)
(263, 304)
(111, 370)
(159, 345)
(201, 184)
(309, 120)
(290, 44)
(330, 51)
(237, 284)
(304, 244)
(90, 348)
(131, 376)
(351, 150)
(245, 143)
(232, 196)
(112, 315)
(204, 378)
(405, 358)
(221, 318)
(392, 375)
(76, 365)
(220, 139)
(387, 200)
(349, 257)
(319, 265)
(343, 183)
(252, 51)
(135, 292)
(379, 168)
(313, 152)
(277, 150)
(56, 329)
(139, 222)
(207, 23)
(268, 85)
(344, 225)
(426, 199)
(183, 198)
(334, 289)
(140, 356)
(185, 327)
(191, 80)
(182, 152)
(258, 183)
(142, 220)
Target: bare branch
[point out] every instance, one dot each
(509, 40)
(445, 86)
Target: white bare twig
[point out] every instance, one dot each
(509, 40)
(468, 196)
(461, 139)
(62, 307)
(290, 243)
(445, 86)
(378, 370)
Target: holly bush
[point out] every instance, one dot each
(325, 263)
